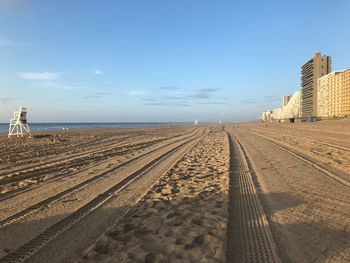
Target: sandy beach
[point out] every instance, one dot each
(174, 131)
(69, 151)
(182, 218)
(275, 192)
(307, 208)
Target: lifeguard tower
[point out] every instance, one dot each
(19, 123)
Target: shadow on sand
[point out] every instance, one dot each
(302, 240)
(292, 240)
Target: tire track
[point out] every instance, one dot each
(34, 208)
(33, 246)
(249, 235)
(55, 177)
(73, 161)
(69, 149)
(321, 168)
(307, 139)
(101, 144)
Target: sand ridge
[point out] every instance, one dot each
(182, 218)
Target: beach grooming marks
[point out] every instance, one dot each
(249, 235)
(259, 132)
(183, 218)
(62, 227)
(20, 215)
(302, 157)
(50, 169)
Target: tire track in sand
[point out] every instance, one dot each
(249, 235)
(31, 248)
(183, 218)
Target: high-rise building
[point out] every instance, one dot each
(291, 110)
(329, 95)
(333, 94)
(318, 66)
(285, 99)
(345, 91)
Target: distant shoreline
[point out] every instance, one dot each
(87, 125)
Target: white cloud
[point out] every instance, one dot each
(97, 72)
(38, 75)
(71, 87)
(136, 93)
(6, 42)
(5, 100)
(58, 85)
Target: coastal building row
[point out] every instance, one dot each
(323, 93)
(289, 111)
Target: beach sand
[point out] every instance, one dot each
(182, 218)
(69, 151)
(178, 212)
(308, 210)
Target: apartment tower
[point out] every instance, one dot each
(286, 99)
(345, 91)
(333, 94)
(329, 95)
(318, 66)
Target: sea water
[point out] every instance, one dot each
(62, 126)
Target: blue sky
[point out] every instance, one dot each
(161, 60)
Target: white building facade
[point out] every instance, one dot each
(291, 109)
(276, 114)
(266, 116)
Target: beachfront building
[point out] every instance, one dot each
(345, 91)
(266, 116)
(276, 114)
(289, 112)
(286, 99)
(318, 66)
(329, 95)
(291, 109)
(333, 95)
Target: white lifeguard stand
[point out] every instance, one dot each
(19, 123)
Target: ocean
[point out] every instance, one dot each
(60, 126)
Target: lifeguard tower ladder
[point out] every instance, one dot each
(19, 123)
